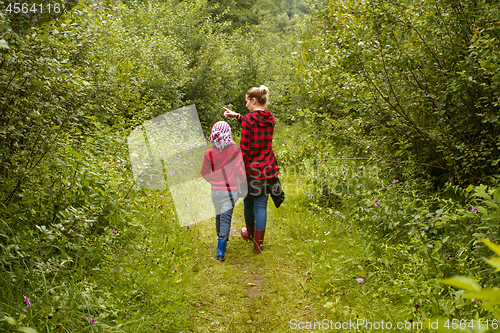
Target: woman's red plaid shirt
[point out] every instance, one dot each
(256, 144)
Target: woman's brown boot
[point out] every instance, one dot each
(258, 240)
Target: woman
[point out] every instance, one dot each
(261, 167)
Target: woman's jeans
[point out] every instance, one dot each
(255, 211)
(223, 211)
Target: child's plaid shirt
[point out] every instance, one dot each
(256, 144)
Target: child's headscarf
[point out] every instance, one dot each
(221, 135)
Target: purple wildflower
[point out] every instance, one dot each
(113, 232)
(474, 301)
(474, 210)
(312, 196)
(307, 280)
(307, 273)
(343, 172)
(161, 196)
(359, 280)
(27, 301)
(395, 181)
(175, 269)
(339, 152)
(342, 293)
(376, 203)
(92, 321)
(187, 205)
(121, 251)
(198, 305)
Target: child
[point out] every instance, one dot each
(223, 167)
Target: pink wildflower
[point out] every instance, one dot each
(359, 280)
(27, 301)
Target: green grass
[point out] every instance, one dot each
(267, 292)
(155, 276)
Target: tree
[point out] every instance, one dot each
(425, 73)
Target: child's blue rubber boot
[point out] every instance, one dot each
(221, 248)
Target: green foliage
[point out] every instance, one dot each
(242, 13)
(411, 236)
(420, 77)
(76, 236)
(490, 296)
(227, 66)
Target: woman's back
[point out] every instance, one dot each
(257, 130)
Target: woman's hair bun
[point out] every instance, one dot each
(264, 90)
(259, 93)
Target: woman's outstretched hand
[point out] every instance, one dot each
(229, 113)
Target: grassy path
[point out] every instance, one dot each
(304, 274)
(248, 292)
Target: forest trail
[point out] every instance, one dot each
(269, 291)
(247, 292)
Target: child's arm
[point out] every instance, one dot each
(206, 169)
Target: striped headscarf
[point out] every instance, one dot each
(221, 135)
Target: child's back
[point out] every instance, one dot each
(223, 167)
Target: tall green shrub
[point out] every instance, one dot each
(422, 76)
